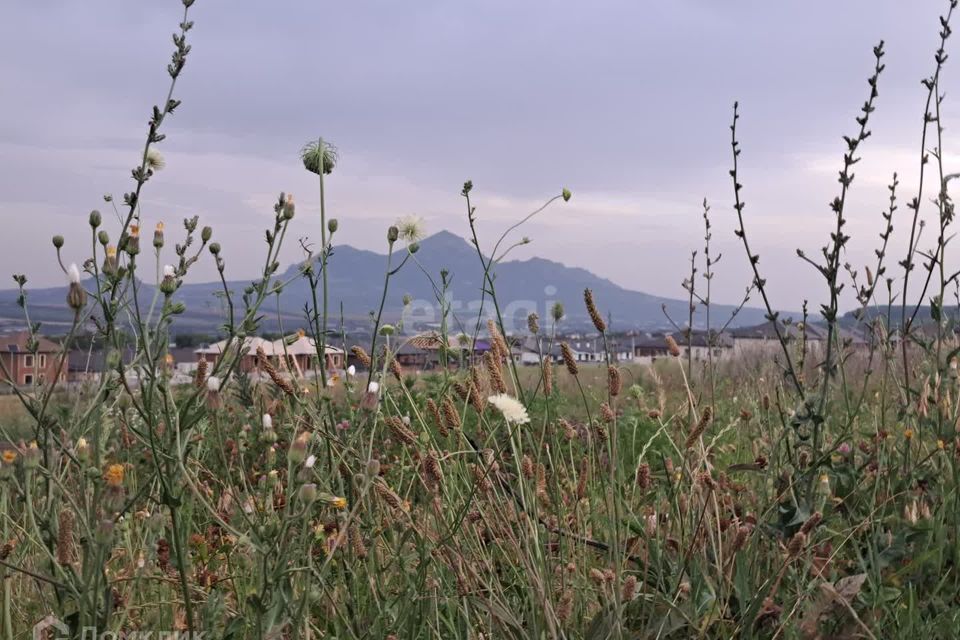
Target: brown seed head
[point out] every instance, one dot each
(361, 355)
(614, 382)
(672, 347)
(568, 360)
(593, 311)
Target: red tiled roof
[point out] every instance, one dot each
(19, 342)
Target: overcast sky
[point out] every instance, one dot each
(626, 103)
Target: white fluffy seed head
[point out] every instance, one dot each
(169, 271)
(267, 421)
(213, 384)
(374, 387)
(73, 273)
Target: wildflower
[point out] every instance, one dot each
(411, 228)
(941, 445)
(31, 457)
(339, 503)
(83, 449)
(114, 475)
(76, 295)
(289, 207)
(513, 412)
(373, 387)
(908, 434)
(158, 236)
(825, 484)
(267, 421)
(155, 161)
(213, 384)
(110, 261)
(9, 456)
(311, 460)
(169, 283)
(351, 371)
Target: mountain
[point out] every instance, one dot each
(356, 281)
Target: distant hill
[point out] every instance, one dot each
(356, 281)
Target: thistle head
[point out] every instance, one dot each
(317, 154)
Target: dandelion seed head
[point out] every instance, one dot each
(412, 228)
(155, 160)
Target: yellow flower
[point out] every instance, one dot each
(114, 475)
(941, 445)
(908, 434)
(9, 456)
(340, 503)
(111, 251)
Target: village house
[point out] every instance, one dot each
(648, 348)
(762, 339)
(297, 357)
(300, 356)
(24, 366)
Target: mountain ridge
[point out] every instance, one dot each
(356, 276)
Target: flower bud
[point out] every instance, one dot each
(566, 194)
(31, 457)
(206, 233)
(158, 236)
(57, 241)
(413, 247)
(332, 225)
(131, 243)
(215, 248)
(392, 234)
(373, 468)
(168, 285)
(104, 531)
(308, 493)
(177, 308)
(95, 219)
(298, 450)
(104, 238)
